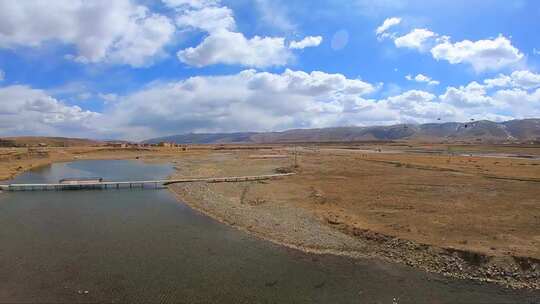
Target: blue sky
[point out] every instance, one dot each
(136, 69)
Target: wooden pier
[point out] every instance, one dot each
(134, 184)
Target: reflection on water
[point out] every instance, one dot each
(143, 246)
(120, 170)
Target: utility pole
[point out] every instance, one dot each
(296, 156)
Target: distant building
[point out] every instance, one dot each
(117, 145)
(165, 144)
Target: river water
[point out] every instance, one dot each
(142, 246)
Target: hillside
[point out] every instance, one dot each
(205, 138)
(485, 131)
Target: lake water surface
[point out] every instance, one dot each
(134, 245)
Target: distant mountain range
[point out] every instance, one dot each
(205, 138)
(474, 131)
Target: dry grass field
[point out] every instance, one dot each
(485, 204)
(484, 207)
(473, 203)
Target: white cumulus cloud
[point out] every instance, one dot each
(234, 48)
(248, 100)
(472, 95)
(387, 24)
(257, 101)
(24, 111)
(416, 39)
(190, 3)
(422, 78)
(519, 102)
(225, 45)
(102, 31)
(488, 54)
(263, 101)
(520, 79)
(482, 55)
(310, 41)
(417, 106)
(209, 18)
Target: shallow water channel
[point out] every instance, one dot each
(141, 245)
